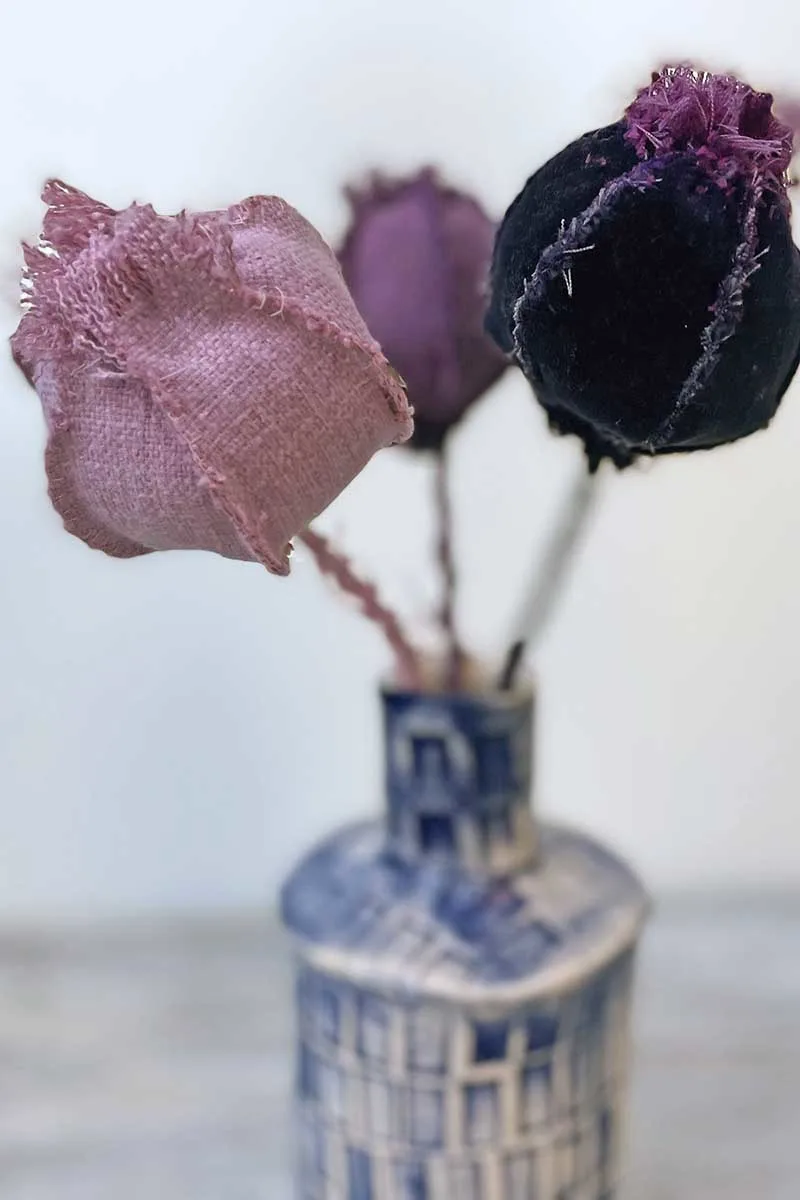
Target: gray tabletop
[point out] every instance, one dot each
(154, 1063)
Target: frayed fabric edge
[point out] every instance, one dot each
(98, 264)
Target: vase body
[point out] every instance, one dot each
(464, 978)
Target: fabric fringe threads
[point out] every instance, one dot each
(206, 378)
(646, 280)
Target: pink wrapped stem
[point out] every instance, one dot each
(334, 563)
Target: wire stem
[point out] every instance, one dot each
(549, 575)
(453, 656)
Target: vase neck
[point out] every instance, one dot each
(458, 778)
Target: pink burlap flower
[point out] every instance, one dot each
(206, 378)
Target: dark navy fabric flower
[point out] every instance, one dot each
(416, 259)
(646, 280)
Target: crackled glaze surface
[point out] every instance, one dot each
(464, 979)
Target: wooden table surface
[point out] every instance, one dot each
(153, 1063)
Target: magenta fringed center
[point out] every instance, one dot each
(729, 125)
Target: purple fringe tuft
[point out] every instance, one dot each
(730, 127)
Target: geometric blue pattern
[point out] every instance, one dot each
(432, 1109)
(411, 921)
(360, 1175)
(541, 1029)
(491, 1040)
(427, 1035)
(463, 979)
(457, 880)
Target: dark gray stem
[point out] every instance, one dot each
(549, 575)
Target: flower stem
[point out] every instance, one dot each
(549, 575)
(453, 656)
(335, 564)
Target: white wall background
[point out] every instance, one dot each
(174, 730)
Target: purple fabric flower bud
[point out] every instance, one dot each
(206, 378)
(646, 280)
(416, 259)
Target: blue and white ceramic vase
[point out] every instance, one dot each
(464, 978)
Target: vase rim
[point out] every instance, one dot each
(480, 685)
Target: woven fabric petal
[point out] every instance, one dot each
(206, 378)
